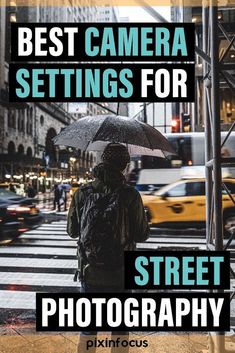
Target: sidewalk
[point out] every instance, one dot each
(44, 202)
(24, 339)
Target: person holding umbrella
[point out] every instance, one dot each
(108, 217)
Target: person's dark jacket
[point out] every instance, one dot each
(31, 192)
(107, 179)
(57, 193)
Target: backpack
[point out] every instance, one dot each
(104, 230)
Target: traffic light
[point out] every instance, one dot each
(175, 125)
(186, 123)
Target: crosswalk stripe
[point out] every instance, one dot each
(37, 250)
(41, 255)
(41, 279)
(36, 260)
(47, 263)
(47, 232)
(58, 223)
(49, 243)
(155, 246)
(51, 225)
(17, 300)
(176, 241)
(46, 236)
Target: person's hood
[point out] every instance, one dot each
(108, 175)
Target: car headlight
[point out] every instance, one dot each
(18, 209)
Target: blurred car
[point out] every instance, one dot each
(19, 188)
(17, 214)
(183, 203)
(9, 226)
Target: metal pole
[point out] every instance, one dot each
(208, 140)
(215, 102)
(164, 117)
(153, 114)
(208, 144)
(145, 112)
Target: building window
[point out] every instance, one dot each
(11, 148)
(87, 160)
(18, 122)
(29, 125)
(21, 120)
(83, 160)
(21, 149)
(91, 161)
(27, 122)
(42, 120)
(50, 147)
(11, 119)
(31, 122)
(29, 152)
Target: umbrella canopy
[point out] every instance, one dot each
(99, 146)
(112, 128)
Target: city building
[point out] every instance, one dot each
(27, 152)
(108, 14)
(158, 115)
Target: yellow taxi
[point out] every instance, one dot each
(183, 203)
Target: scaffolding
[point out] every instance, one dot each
(215, 68)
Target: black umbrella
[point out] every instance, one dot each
(83, 134)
